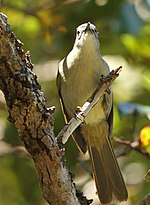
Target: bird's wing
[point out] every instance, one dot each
(110, 121)
(81, 143)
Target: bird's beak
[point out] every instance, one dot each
(88, 27)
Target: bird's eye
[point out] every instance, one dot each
(94, 30)
(78, 32)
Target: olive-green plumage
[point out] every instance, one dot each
(78, 76)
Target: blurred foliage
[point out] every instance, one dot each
(147, 176)
(47, 29)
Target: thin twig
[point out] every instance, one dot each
(135, 145)
(82, 112)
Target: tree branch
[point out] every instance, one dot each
(26, 106)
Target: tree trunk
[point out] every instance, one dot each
(26, 106)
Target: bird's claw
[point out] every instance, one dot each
(79, 113)
(102, 78)
(108, 91)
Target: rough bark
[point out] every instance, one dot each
(26, 106)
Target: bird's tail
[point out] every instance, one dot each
(108, 178)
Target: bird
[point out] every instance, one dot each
(78, 76)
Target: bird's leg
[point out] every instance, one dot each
(108, 91)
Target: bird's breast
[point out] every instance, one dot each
(80, 82)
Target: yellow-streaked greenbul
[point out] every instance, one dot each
(78, 77)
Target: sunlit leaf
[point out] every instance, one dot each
(17, 19)
(146, 79)
(145, 138)
(31, 25)
(130, 42)
(138, 45)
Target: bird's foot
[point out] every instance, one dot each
(79, 113)
(108, 91)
